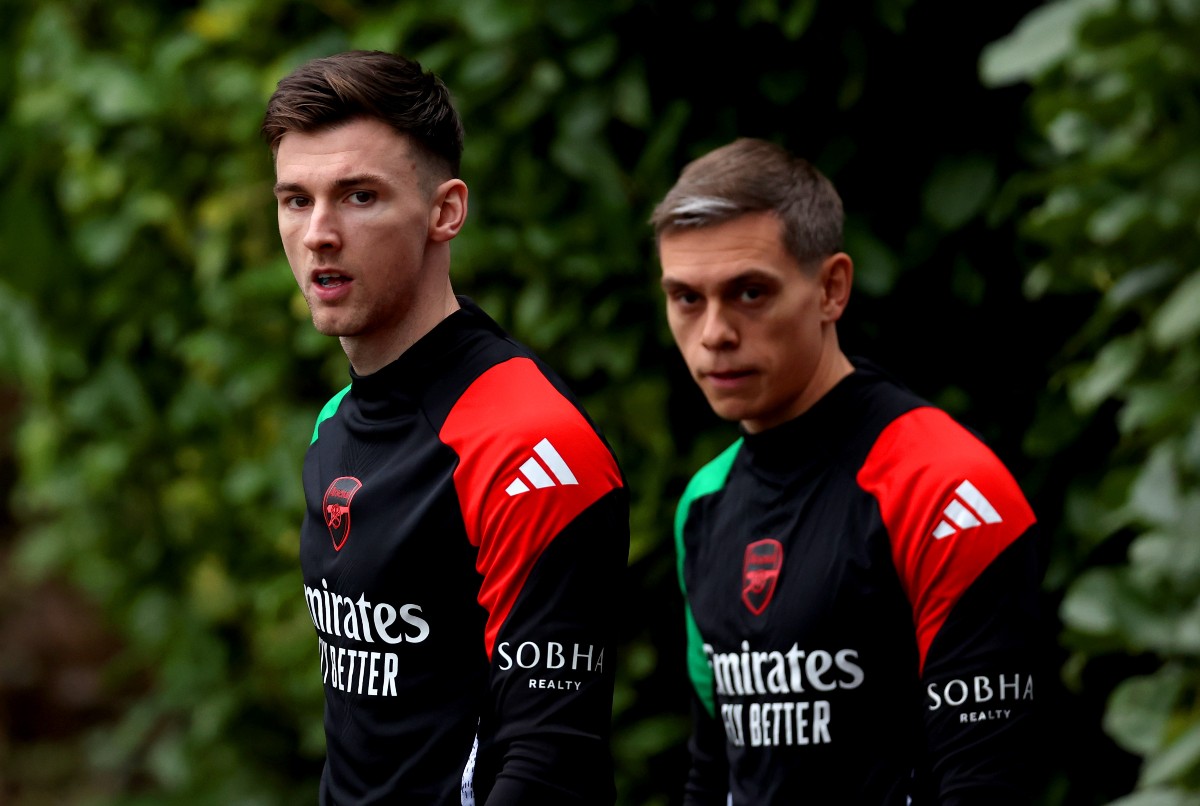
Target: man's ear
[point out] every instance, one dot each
(836, 275)
(449, 210)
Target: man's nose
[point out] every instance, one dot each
(717, 332)
(323, 233)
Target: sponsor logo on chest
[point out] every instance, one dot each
(752, 682)
(372, 670)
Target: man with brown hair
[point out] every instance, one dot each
(860, 571)
(467, 525)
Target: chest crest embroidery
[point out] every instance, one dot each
(336, 508)
(760, 574)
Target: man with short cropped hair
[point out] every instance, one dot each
(860, 572)
(467, 526)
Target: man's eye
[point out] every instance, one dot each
(361, 197)
(752, 294)
(296, 202)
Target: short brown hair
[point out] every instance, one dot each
(751, 175)
(326, 92)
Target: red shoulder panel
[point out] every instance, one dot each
(529, 463)
(950, 508)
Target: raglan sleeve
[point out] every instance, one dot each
(544, 501)
(707, 782)
(965, 545)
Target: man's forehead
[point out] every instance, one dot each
(709, 256)
(363, 146)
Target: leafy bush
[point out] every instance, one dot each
(1113, 204)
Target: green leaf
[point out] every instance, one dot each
(1141, 708)
(958, 189)
(486, 68)
(491, 21)
(1138, 283)
(1159, 797)
(631, 99)
(24, 351)
(1167, 555)
(1157, 405)
(1114, 220)
(1105, 608)
(875, 266)
(797, 19)
(594, 57)
(1042, 40)
(1178, 320)
(1114, 365)
(1090, 604)
(1155, 494)
(1179, 759)
(1071, 132)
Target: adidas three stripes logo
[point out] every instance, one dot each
(966, 510)
(539, 473)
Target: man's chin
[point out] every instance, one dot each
(732, 410)
(328, 326)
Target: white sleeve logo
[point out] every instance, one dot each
(535, 472)
(968, 509)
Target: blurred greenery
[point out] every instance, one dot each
(1023, 188)
(1111, 211)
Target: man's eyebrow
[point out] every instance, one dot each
(748, 276)
(358, 180)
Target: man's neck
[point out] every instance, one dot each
(369, 354)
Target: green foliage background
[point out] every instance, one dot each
(1026, 256)
(1115, 192)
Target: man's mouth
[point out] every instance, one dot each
(330, 279)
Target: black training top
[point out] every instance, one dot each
(465, 536)
(862, 587)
